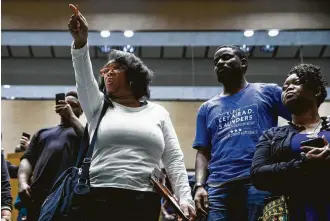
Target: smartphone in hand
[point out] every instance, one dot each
(59, 97)
(26, 135)
(314, 142)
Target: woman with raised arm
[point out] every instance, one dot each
(133, 136)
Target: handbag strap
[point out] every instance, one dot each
(83, 146)
(89, 147)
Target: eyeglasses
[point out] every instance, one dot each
(112, 70)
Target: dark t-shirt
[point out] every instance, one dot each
(51, 152)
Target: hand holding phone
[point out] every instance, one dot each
(316, 150)
(308, 145)
(314, 142)
(24, 141)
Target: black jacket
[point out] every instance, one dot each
(12, 170)
(275, 167)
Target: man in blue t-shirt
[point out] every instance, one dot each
(228, 127)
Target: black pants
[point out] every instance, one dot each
(107, 204)
(33, 205)
(33, 210)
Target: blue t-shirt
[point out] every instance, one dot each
(231, 127)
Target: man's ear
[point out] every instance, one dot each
(81, 110)
(244, 63)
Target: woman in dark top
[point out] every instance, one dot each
(282, 165)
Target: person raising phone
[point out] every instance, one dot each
(24, 143)
(282, 164)
(51, 151)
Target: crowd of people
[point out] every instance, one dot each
(243, 158)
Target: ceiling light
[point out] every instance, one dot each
(128, 33)
(105, 33)
(6, 86)
(105, 49)
(273, 32)
(128, 48)
(248, 33)
(245, 48)
(267, 48)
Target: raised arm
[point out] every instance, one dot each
(89, 95)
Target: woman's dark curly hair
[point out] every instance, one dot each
(311, 77)
(137, 73)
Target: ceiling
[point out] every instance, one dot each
(166, 52)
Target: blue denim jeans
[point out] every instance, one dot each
(242, 203)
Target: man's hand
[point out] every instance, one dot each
(78, 27)
(201, 201)
(24, 143)
(64, 110)
(24, 192)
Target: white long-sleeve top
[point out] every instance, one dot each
(131, 141)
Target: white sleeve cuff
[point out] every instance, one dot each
(5, 208)
(78, 52)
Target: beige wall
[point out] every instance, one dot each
(29, 116)
(168, 14)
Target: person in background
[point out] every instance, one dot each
(13, 169)
(282, 165)
(227, 130)
(51, 152)
(6, 198)
(133, 137)
(23, 145)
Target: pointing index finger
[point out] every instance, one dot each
(74, 9)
